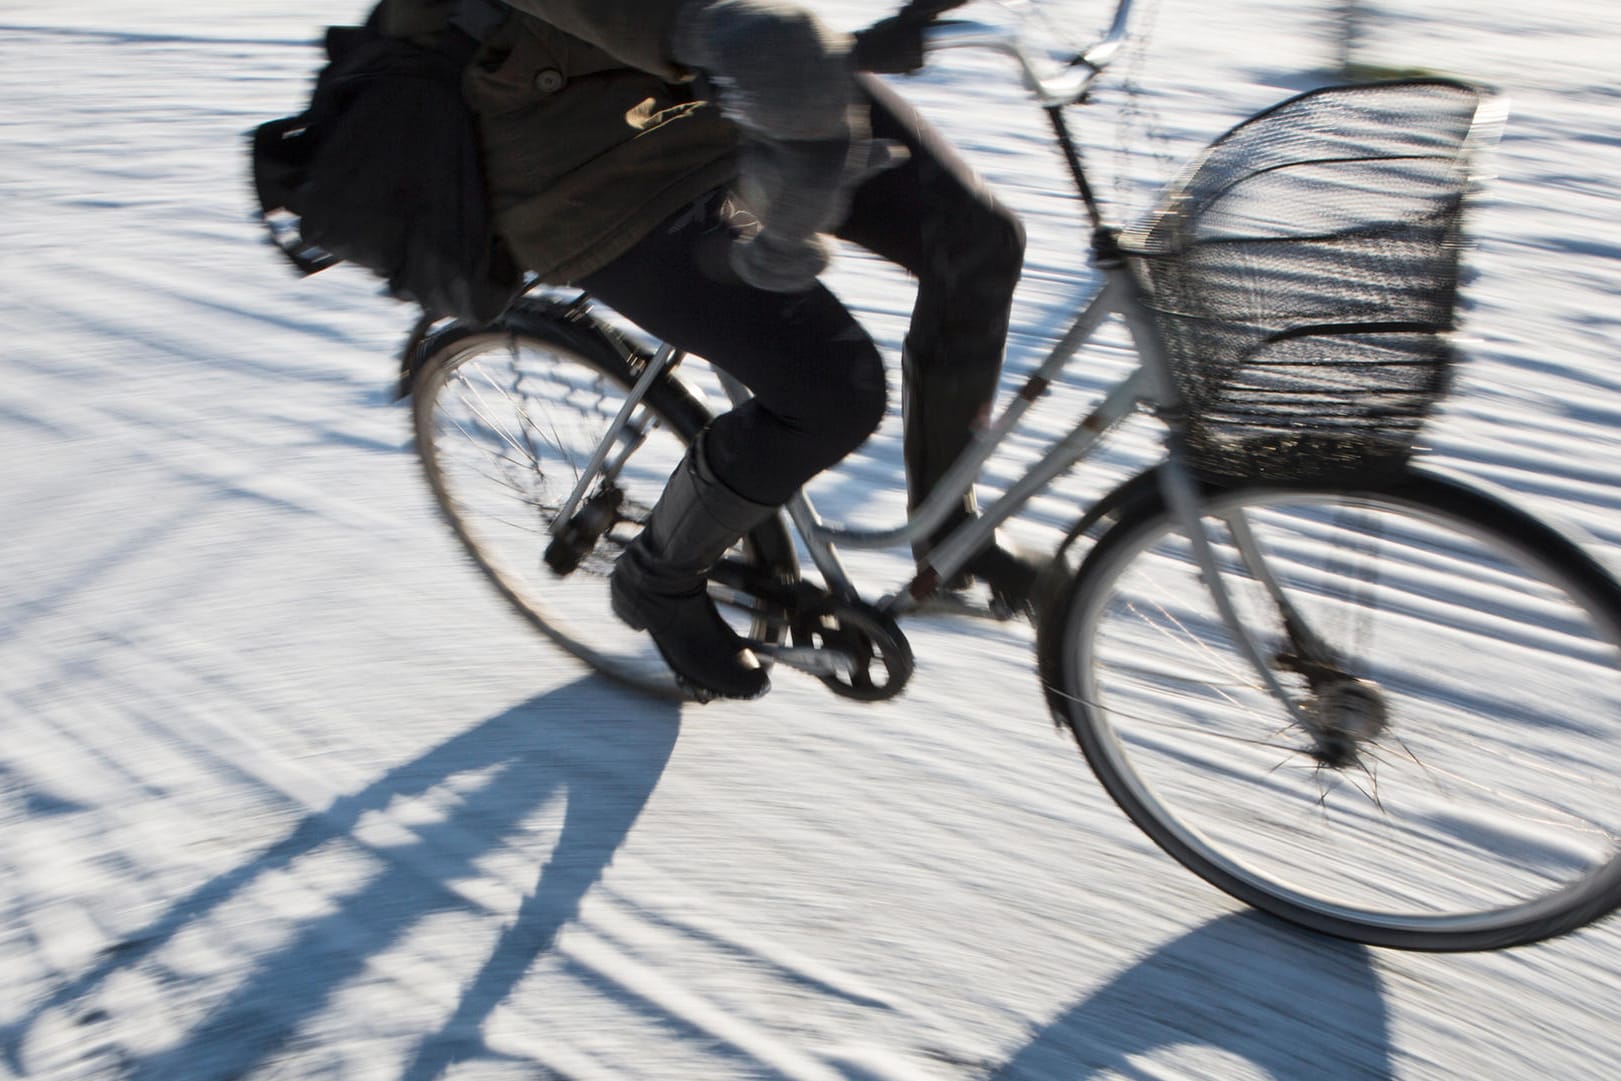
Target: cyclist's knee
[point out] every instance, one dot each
(782, 438)
(870, 397)
(839, 394)
(998, 242)
(857, 405)
(979, 253)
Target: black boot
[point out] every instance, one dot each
(660, 583)
(941, 408)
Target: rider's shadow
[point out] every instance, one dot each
(1243, 995)
(600, 750)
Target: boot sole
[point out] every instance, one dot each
(624, 609)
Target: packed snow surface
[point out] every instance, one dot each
(287, 792)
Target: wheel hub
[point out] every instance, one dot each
(1349, 712)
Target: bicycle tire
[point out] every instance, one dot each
(1480, 805)
(505, 416)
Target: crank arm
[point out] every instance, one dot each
(854, 648)
(816, 662)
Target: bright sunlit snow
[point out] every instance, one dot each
(287, 792)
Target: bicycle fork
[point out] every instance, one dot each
(1342, 711)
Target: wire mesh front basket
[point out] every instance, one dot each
(1303, 275)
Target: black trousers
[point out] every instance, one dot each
(816, 376)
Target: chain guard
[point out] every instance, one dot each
(874, 659)
(854, 648)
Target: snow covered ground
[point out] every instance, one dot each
(287, 793)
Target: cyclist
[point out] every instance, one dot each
(681, 161)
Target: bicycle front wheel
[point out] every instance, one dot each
(507, 420)
(1444, 775)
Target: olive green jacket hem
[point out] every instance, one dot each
(590, 137)
(541, 238)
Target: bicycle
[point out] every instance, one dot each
(1305, 665)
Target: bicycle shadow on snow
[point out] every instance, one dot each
(601, 749)
(1271, 1001)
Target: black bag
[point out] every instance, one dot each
(383, 170)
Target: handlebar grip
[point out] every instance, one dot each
(930, 9)
(894, 46)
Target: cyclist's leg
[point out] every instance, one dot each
(936, 219)
(816, 376)
(818, 386)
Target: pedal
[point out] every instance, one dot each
(580, 534)
(879, 656)
(853, 647)
(952, 603)
(965, 604)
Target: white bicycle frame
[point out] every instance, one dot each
(1149, 387)
(1054, 84)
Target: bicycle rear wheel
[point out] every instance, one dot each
(506, 420)
(1450, 775)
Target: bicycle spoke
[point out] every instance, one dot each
(506, 425)
(1453, 769)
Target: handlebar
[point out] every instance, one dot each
(1065, 86)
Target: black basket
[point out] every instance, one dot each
(1303, 275)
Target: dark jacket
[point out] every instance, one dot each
(591, 134)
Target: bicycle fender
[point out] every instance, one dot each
(1138, 495)
(1591, 547)
(431, 332)
(1129, 497)
(412, 354)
